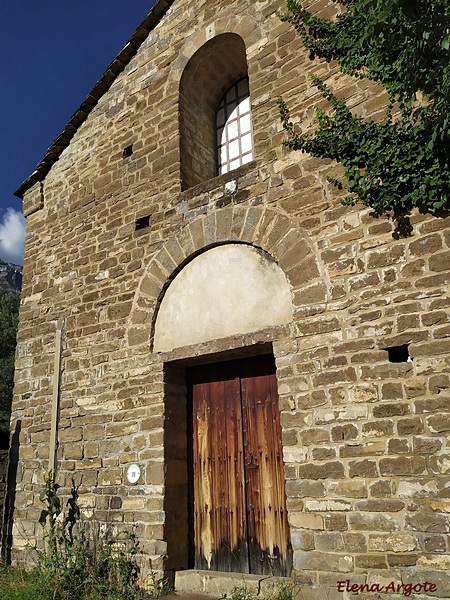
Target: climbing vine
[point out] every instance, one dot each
(402, 161)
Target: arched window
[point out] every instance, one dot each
(234, 128)
(215, 76)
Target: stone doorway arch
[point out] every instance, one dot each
(262, 227)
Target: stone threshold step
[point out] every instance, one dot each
(217, 584)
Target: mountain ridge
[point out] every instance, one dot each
(10, 277)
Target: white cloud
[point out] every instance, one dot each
(12, 236)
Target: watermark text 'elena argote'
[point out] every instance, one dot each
(406, 589)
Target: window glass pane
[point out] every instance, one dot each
(233, 115)
(231, 107)
(244, 105)
(220, 116)
(246, 143)
(234, 128)
(243, 87)
(233, 149)
(245, 124)
(231, 94)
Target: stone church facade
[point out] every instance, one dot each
(211, 346)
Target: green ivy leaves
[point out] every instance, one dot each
(395, 164)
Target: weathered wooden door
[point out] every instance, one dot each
(239, 514)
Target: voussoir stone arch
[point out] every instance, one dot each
(262, 227)
(250, 31)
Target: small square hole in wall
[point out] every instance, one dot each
(399, 354)
(142, 223)
(128, 151)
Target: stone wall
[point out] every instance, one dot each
(362, 368)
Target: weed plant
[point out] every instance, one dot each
(79, 561)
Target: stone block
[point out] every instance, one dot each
(440, 579)
(323, 453)
(210, 583)
(410, 426)
(384, 505)
(333, 470)
(306, 521)
(360, 450)
(363, 468)
(440, 463)
(402, 560)
(402, 466)
(327, 505)
(344, 432)
(391, 410)
(428, 521)
(305, 488)
(302, 540)
(378, 429)
(335, 521)
(370, 561)
(426, 245)
(434, 543)
(399, 446)
(313, 436)
(438, 423)
(330, 542)
(73, 451)
(372, 522)
(323, 561)
(347, 489)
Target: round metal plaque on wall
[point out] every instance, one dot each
(133, 473)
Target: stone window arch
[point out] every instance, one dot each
(211, 72)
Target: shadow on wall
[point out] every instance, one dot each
(10, 499)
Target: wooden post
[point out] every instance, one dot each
(55, 397)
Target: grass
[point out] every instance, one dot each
(17, 584)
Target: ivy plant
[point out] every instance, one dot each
(401, 161)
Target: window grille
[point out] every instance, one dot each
(234, 128)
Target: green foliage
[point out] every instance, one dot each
(159, 586)
(9, 318)
(18, 584)
(50, 514)
(78, 562)
(284, 591)
(241, 592)
(402, 161)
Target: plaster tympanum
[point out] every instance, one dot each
(227, 290)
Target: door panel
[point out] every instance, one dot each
(239, 511)
(268, 529)
(219, 515)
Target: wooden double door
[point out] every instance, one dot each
(238, 505)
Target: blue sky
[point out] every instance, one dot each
(52, 53)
